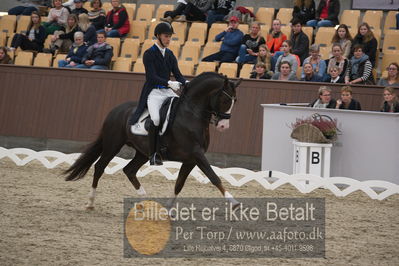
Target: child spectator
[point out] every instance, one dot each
(344, 38)
(99, 55)
(34, 37)
(287, 57)
(393, 76)
(304, 10)
(300, 41)
(318, 64)
(326, 14)
(4, 57)
(250, 45)
(195, 10)
(260, 72)
(79, 9)
(57, 18)
(337, 60)
(333, 76)
(346, 101)
(309, 75)
(97, 14)
(62, 40)
(324, 100)
(76, 53)
(284, 72)
(169, 16)
(359, 69)
(366, 38)
(220, 10)
(89, 31)
(264, 57)
(390, 104)
(231, 41)
(117, 20)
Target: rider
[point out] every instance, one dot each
(159, 63)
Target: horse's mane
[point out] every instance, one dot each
(199, 79)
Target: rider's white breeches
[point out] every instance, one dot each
(155, 100)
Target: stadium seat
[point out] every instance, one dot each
(389, 57)
(285, 15)
(206, 67)
(87, 5)
(180, 29)
(350, 18)
(130, 9)
(23, 24)
(161, 10)
(186, 67)
(43, 60)
(3, 38)
(145, 12)
(309, 32)
(24, 59)
(44, 19)
(390, 21)
(214, 30)
(244, 28)
(122, 64)
(151, 29)
(57, 58)
(325, 52)
(147, 44)
(138, 30)
(130, 49)
(175, 47)
(107, 6)
(139, 66)
(10, 37)
(391, 41)
(47, 42)
(228, 69)
(246, 71)
(250, 8)
(286, 30)
(116, 44)
(7, 24)
(191, 52)
(373, 18)
(377, 35)
(324, 36)
(265, 15)
(264, 30)
(211, 48)
(197, 33)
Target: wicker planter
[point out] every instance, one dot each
(310, 133)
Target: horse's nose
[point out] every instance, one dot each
(223, 125)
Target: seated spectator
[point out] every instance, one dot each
(366, 38)
(309, 74)
(57, 18)
(344, 38)
(34, 37)
(304, 10)
(287, 57)
(346, 101)
(300, 41)
(89, 31)
(231, 41)
(117, 20)
(260, 72)
(76, 53)
(79, 9)
(264, 58)
(99, 55)
(318, 64)
(275, 37)
(4, 57)
(333, 76)
(250, 45)
(391, 103)
(26, 8)
(337, 60)
(62, 39)
(324, 100)
(359, 69)
(393, 76)
(195, 10)
(71, 5)
(97, 14)
(169, 16)
(220, 10)
(284, 72)
(326, 14)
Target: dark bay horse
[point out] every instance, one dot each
(207, 95)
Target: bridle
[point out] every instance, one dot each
(220, 115)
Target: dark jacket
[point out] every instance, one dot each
(223, 7)
(69, 35)
(118, 20)
(264, 76)
(78, 11)
(101, 55)
(331, 105)
(304, 14)
(158, 70)
(300, 45)
(77, 53)
(314, 78)
(341, 79)
(369, 48)
(353, 105)
(333, 10)
(253, 43)
(385, 107)
(40, 37)
(360, 72)
(90, 35)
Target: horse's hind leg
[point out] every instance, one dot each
(131, 169)
(185, 170)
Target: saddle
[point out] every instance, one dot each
(166, 113)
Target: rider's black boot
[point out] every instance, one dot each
(155, 157)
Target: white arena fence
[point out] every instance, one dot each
(305, 183)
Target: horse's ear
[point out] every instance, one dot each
(237, 83)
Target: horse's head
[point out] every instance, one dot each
(223, 102)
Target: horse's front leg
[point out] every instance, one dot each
(185, 170)
(205, 167)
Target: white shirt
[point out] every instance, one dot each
(334, 80)
(161, 49)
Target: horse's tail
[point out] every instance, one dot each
(80, 167)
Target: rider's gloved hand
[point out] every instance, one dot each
(174, 85)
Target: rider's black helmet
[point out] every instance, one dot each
(163, 27)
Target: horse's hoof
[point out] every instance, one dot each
(89, 208)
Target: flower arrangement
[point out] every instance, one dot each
(315, 129)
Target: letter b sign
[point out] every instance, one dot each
(315, 157)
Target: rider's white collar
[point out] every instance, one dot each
(161, 49)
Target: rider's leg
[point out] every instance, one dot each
(155, 100)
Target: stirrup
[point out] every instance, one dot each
(156, 159)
